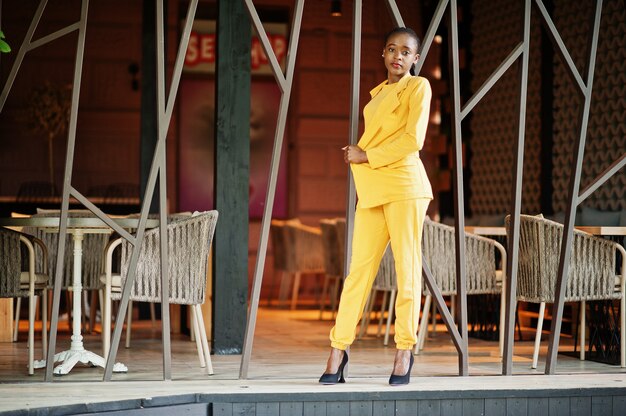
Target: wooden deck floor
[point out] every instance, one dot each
(290, 352)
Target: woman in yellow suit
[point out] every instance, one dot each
(393, 195)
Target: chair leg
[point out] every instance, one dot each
(623, 329)
(31, 334)
(542, 309)
(192, 333)
(106, 324)
(284, 288)
(205, 342)
(502, 316)
(129, 321)
(452, 309)
(382, 314)
(433, 318)
(364, 320)
(44, 323)
(423, 325)
(101, 306)
(18, 306)
(392, 302)
(93, 310)
(294, 292)
(582, 326)
(196, 331)
(335, 295)
(323, 296)
(152, 315)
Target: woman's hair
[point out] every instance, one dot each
(411, 33)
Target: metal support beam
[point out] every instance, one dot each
(602, 177)
(25, 47)
(158, 168)
(560, 45)
(395, 13)
(574, 186)
(516, 201)
(67, 179)
(275, 163)
(493, 78)
(355, 82)
(430, 34)
(459, 211)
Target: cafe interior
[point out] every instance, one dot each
(297, 251)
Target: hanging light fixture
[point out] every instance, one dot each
(335, 8)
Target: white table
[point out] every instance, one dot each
(77, 227)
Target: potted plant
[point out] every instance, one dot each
(4, 47)
(47, 113)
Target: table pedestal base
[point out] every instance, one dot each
(71, 357)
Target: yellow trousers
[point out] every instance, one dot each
(402, 223)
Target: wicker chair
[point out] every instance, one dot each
(333, 263)
(15, 283)
(189, 241)
(385, 282)
(483, 276)
(591, 274)
(303, 254)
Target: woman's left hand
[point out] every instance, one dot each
(354, 154)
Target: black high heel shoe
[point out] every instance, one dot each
(395, 380)
(330, 378)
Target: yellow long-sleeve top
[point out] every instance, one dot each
(395, 128)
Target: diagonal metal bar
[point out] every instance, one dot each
(67, 179)
(274, 165)
(443, 308)
(100, 214)
(132, 268)
(157, 168)
(493, 78)
(568, 229)
(430, 34)
(179, 63)
(516, 203)
(459, 211)
(25, 47)
(267, 47)
(561, 48)
(52, 36)
(395, 13)
(603, 177)
(162, 128)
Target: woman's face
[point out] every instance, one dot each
(400, 54)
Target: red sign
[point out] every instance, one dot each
(202, 51)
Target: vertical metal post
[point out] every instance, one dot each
(165, 108)
(516, 203)
(461, 288)
(67, 180)
(286, 83)
(574, 185)
(355, 80)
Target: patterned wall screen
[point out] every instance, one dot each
(496, 29)
(606, 138)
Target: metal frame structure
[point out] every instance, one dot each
(165, 108)
(585, 88)
(285, 82)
